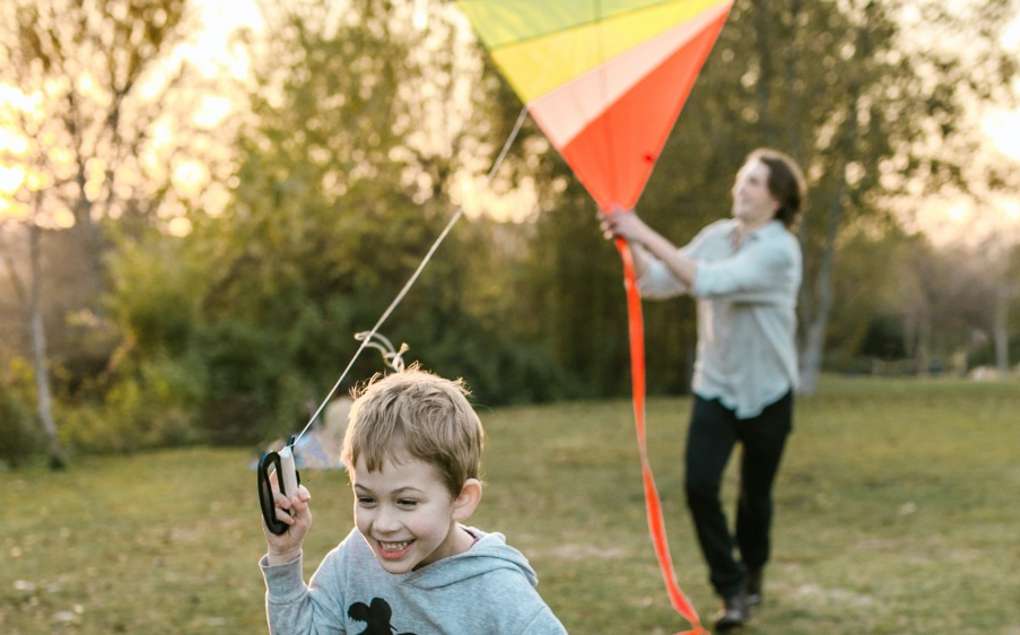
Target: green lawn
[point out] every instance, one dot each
(896, 513)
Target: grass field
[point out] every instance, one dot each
(897, 512)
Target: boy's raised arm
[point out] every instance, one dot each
(296, 512)
(291, 606)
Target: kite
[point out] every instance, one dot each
(605, 80)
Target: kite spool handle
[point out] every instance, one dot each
(288, 479)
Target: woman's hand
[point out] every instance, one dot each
(623, 224)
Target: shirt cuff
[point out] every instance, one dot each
(283, 581)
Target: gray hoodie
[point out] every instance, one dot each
(488, 589)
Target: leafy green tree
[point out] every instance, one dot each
(344, 177)
(882, 112)
(856, 94)
(89, 89)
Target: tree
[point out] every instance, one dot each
(88, 86)
(360, 123)
(997, 263)
(853, 90)
(30, 298)
(867, 112)
(1007, 291)
(949, 304)
(93, 82)
(901, 110)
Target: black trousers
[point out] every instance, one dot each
(713, 432)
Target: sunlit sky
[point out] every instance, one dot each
(1003, 127)
(213, 54)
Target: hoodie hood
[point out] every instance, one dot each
(489, 553)
(489, 588)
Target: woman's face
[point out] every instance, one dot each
(753, 203)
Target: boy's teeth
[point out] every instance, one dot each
(394, 546)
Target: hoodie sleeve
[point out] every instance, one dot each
(292, 608)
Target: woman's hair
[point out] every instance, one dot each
(420, 414)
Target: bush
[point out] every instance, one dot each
(19, 435)
(884, 339)
(246, 367)
(154, 405)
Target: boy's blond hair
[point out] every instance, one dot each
(423, 414)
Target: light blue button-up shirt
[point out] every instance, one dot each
(747, 321)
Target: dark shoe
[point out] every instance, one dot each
(753, 585)
(735, 613)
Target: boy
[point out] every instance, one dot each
(412, 450)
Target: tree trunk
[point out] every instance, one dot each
(794, 102)
(763, 86)
(846, 141)
(1000, 327)
(86, 234)
(44, 398)
(814, 338)
(922, 357)
(89, 241)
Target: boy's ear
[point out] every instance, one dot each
(467, 501)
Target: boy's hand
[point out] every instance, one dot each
(295, 511)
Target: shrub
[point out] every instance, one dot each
(155, 404)
(20, 437)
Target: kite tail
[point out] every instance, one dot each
(653, 504)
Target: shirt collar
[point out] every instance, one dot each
(766, 229)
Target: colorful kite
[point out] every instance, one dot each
(606, 80)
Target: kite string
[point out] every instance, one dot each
(414, 277)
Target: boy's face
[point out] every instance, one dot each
(406, 514)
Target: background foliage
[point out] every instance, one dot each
(224, 314)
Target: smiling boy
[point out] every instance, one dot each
(412, 450)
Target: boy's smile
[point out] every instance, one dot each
(395, 550)
(406, 514)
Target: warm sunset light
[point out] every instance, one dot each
(733, 287)
(1003, 129)
(10, 179)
